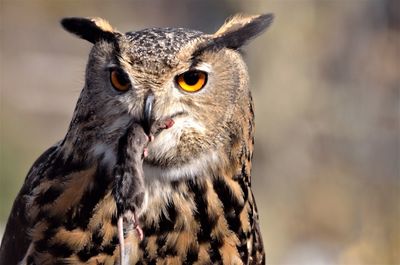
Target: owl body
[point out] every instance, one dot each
(197, 205)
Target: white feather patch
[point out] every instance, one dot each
(164, 145)
(199, 166)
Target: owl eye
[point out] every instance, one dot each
(119, 80)
(192, 81)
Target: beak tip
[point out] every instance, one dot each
(147, 112)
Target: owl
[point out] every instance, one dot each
(155, 167)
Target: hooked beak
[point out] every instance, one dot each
(147, 113)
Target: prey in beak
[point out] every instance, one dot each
(150, 126)
(128, 187)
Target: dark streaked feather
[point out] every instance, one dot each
(15, 240)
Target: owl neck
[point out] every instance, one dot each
(208, 217)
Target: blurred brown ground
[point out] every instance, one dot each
(326, 84)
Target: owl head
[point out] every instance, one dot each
(199, 80)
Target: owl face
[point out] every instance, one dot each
(198, 80)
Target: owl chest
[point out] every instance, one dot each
(189, 221)
(199, 222)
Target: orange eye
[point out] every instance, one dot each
(119, 80)
(192, 81)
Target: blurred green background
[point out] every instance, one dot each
(325, 80)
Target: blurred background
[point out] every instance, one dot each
(326, 83)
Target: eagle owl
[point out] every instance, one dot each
(162, 140)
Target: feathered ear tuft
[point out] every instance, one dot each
(236, 32)
(239, 29)
(90, 29)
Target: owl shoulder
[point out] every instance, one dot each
(15, 241)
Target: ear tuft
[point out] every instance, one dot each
(90, 29)
(103, 24)
(239, 29)
(236, 32)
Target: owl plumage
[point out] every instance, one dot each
(198, 206)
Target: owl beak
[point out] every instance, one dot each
(147, 113)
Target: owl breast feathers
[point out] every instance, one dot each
(155, 167)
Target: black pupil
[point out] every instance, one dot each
(122, 77)
(191, 78)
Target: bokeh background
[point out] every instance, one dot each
(325, 80)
